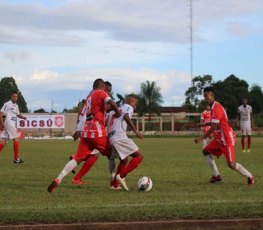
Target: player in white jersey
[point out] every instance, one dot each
(8, 127)
(245, 121)
(121, 145)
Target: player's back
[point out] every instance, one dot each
(219, 116)
(95, 111)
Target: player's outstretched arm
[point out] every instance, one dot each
(115, 108)
(207, 134)
(131, 125)
(21, 116)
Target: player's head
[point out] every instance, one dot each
(131, 100)
(108, 87)
(14, 96)
(98, 84)
(209, 95)
(244, 101)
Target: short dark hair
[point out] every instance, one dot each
(209, 89)
(14, 92)
(108, 83)
(97, 83)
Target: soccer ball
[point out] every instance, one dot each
(145, 184)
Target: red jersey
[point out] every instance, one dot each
(95, 111)
(206, 118)
(224, 133)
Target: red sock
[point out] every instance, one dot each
(248, 142)
(133, 164)
(16, 147)
(243, 142)
(120, 170)
(1, 147)
(86, 167)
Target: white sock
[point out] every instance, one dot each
(212, 165)
(67, 169)
(242, 170)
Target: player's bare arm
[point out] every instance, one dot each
(21, 116)
(131, 125)
(1, 121)
(115, 108)
(207, 134)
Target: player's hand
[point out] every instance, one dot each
(2, 127)
(139, 134)
(117, 114)
(198, 140)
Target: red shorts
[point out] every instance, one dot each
(217, 149)
(87, 145)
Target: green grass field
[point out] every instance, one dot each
(176, 166)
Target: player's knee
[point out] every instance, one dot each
(232, 165)
(205, 152)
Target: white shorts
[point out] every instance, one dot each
(10, 133)
(124, 148)
(246, 131)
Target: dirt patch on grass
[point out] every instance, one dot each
(228, 224)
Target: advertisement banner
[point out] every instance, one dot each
(42, 122)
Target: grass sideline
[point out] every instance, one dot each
(176, 166)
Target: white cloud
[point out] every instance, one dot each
(14, 56)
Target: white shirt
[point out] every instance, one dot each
(245, 115)
(117, 126)
(11, 111)
(82, 116)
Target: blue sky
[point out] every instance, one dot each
(55, 49)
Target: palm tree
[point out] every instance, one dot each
(150, 99)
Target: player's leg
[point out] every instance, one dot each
(133, 164)
(17, 160)
(249, 133)
(229, 152)
(81, 154)
(212, 148)
(243, 138)
(120, 169)
(2, 143)
(90, 160)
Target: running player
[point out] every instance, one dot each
(93, 134)
(9, 131)
(206, 122)
(80, 120)
(121, 145)
(224, 142)
(245, 121)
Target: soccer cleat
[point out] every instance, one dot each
(53, 185)
(215, 179)
(116, 188)
(248, 150)
(122, 181)
(18, 161)
(250, 180)
(243, 151)
(78, 182)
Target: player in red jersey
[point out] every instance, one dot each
(205, 123)
(224, 142)
(93, 134)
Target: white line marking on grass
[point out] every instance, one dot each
(134, 205)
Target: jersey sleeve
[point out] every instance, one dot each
(129, 111)
(104, 97)
(3, 109)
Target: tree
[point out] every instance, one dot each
(256, 99)
(41, 110)
(7, 86)
(194, 94)
(230, 93)
(150, 99)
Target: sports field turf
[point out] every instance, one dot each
(176, 166)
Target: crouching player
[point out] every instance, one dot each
(224, 142)
(121, 145)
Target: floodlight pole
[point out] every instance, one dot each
(191, 37)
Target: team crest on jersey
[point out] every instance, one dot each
(59, 121)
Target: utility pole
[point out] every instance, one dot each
(191, 37)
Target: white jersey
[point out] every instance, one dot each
(117, 126)
(82, 116)
(11, 111)
(245, 115)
